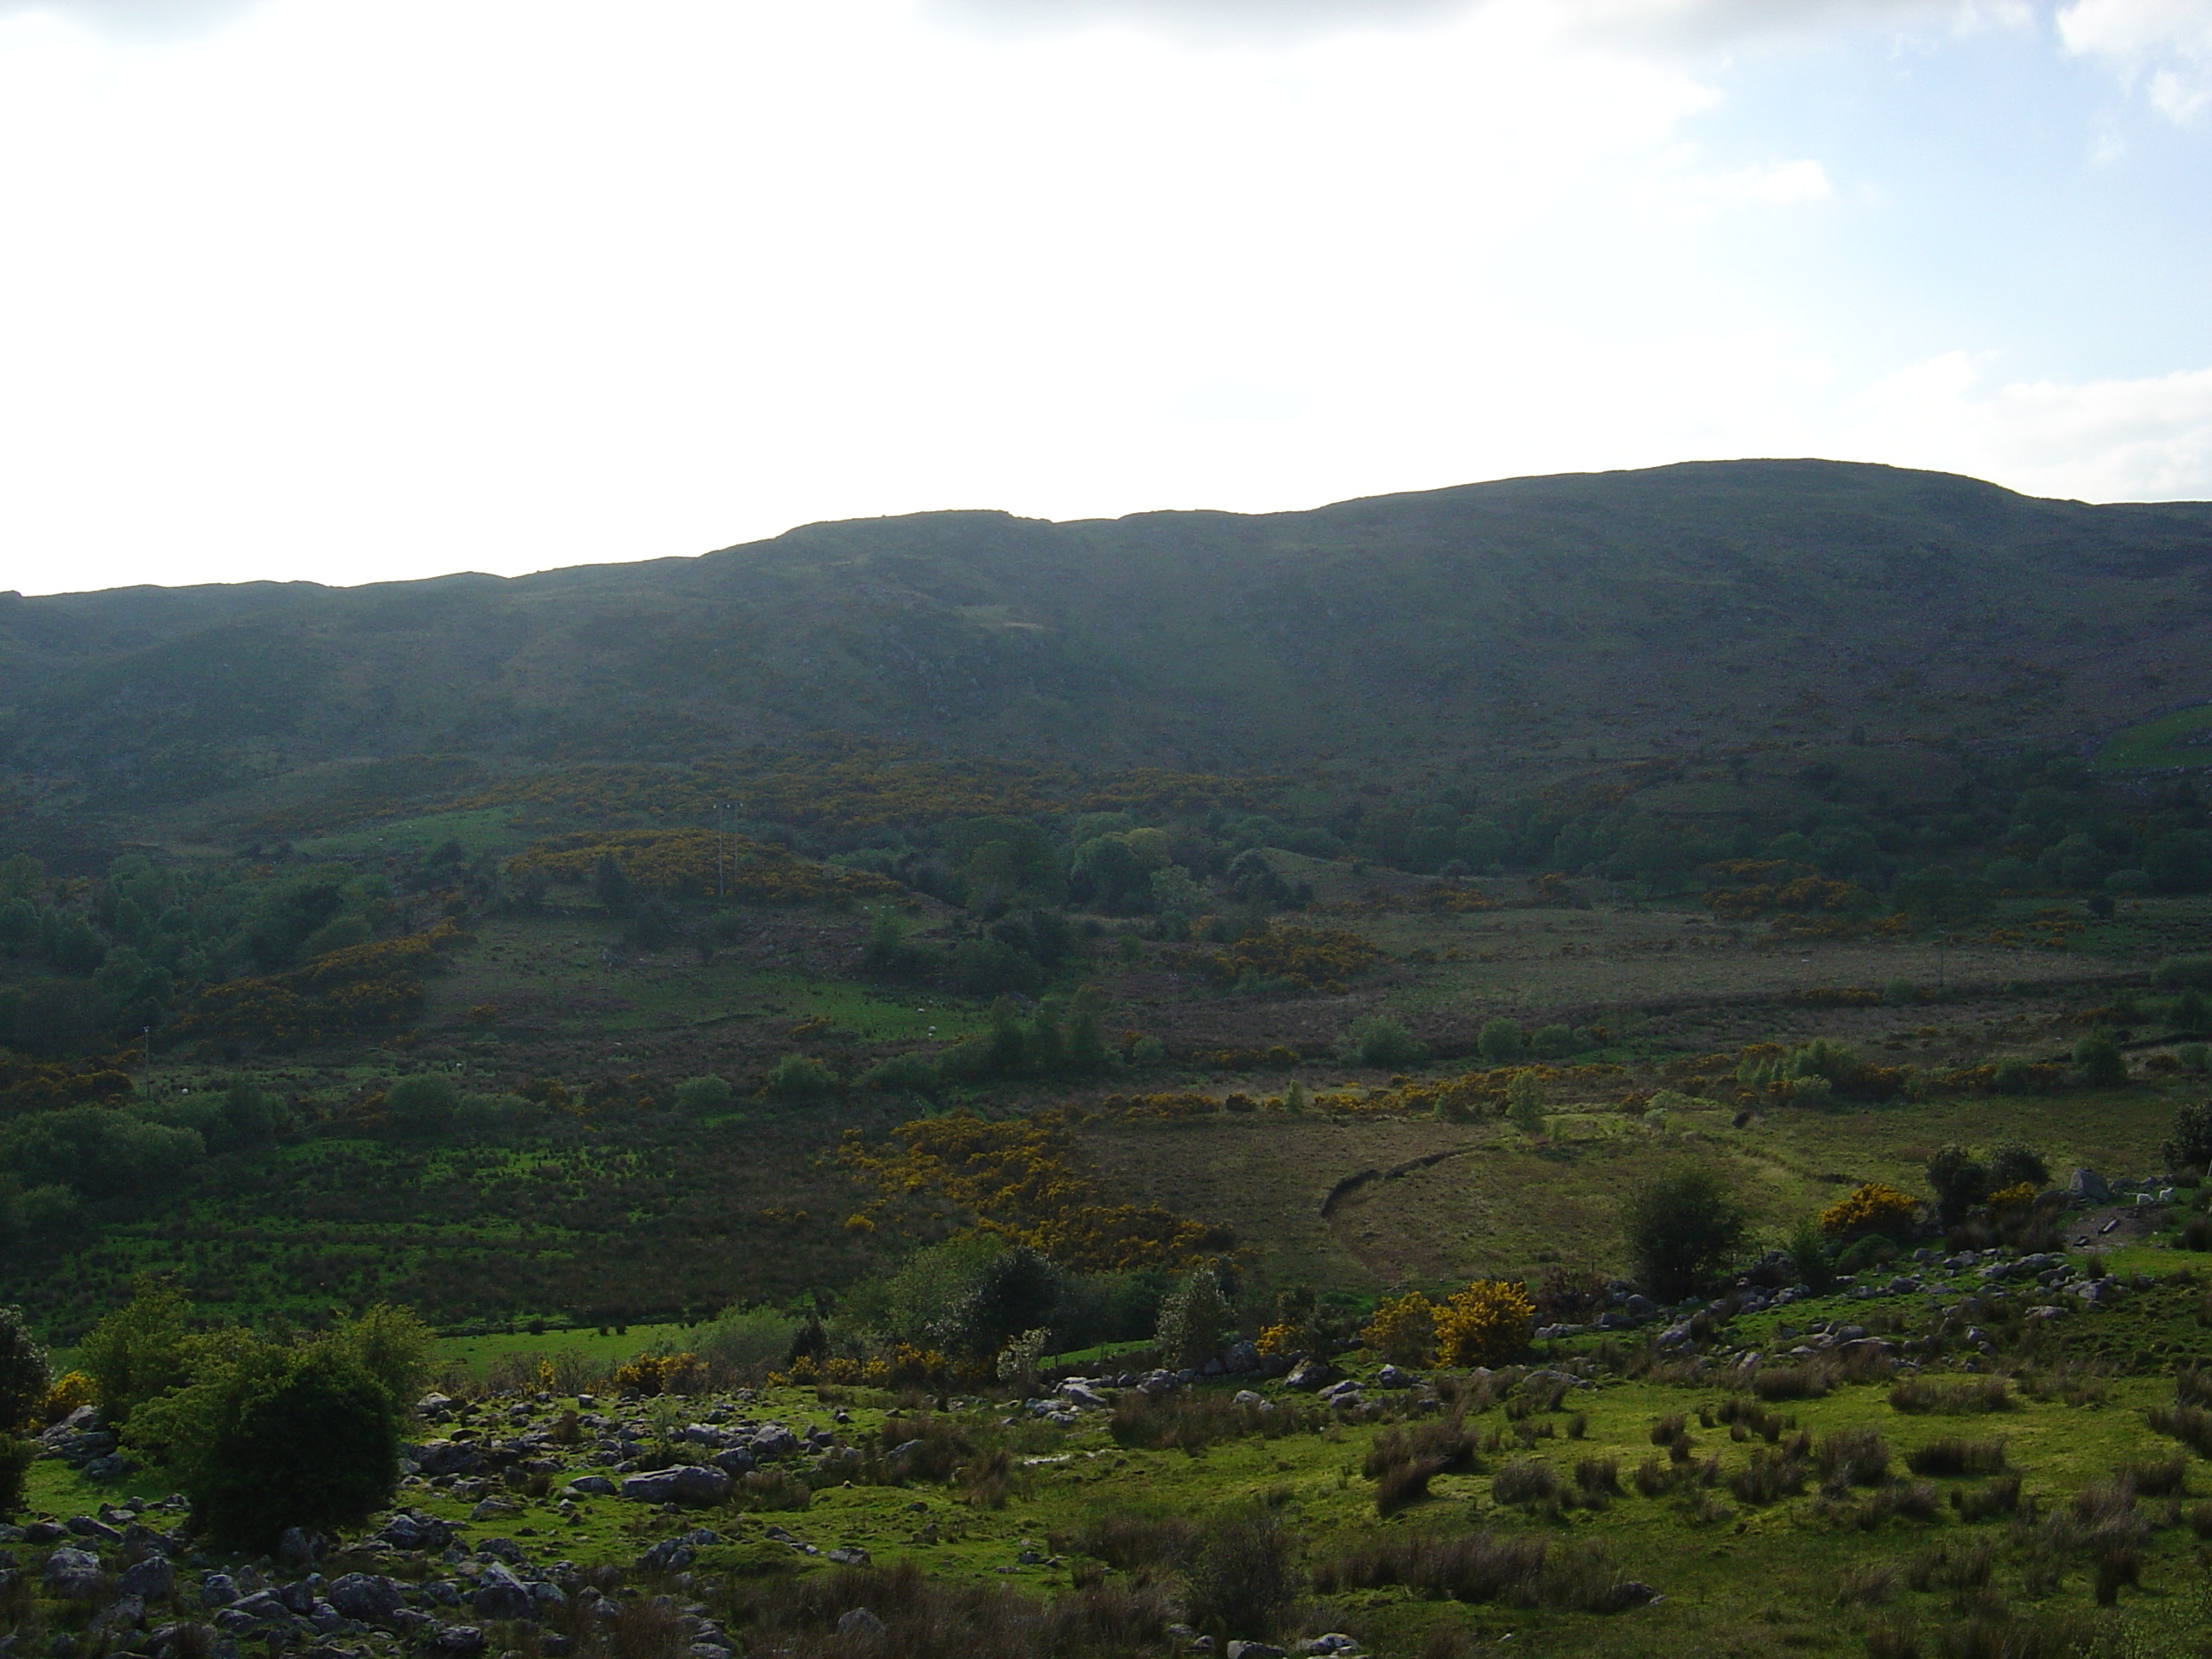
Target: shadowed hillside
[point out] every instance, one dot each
(1503, 623)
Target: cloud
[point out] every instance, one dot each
(155, 18)
(1700, 197)
(2166, 44)
(1696, 23)
(2143, 438)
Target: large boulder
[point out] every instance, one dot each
(367, 1597)
(2088, 1186)
(72, 1574)
(689, 1483)
(501, 1594)
(447, 1457)
(411, 1530)
(1311, 1374)
(150, 1580)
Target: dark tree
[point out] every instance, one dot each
(1681, 1229)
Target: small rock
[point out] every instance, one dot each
(2088, 1186)
(1308, 1375)
(1247, 1397)
(217, 1590)
(1253, 1650)
(458, 1642)
(298, 1548)
(849, 1557)
(691, 1483)
(366, 1597)
(598, 1485)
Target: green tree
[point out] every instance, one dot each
(1524, 1103)
(1194, 1320)
(2014, 1164)
(394, 1346)
(1380, 1041)
(1681, 1229)
(263, 1437)
(138, 1352)
(24, 1373)
(1959, 1181)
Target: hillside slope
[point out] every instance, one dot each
(1683, 607)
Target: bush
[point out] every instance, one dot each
(800, 1077)
(2016, 1164)
(1959, 1181)
(397, 1351)
(1853, 1457)
(1682, 1229)
(1874, 1209)
(907, 1074)
(2189, 1145)
(1954, 1456)
(424, 1104)
(1403, 1330)
(262, 1438)
(1485, 1324)
(1988, 1394)
(1380, 1042)
(16, 1457)
(703, 1097)
(1243, 1575)
(1499, 1042)
(2179, 973)
(25, 1375)
(2102, 1064)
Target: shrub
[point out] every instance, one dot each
(1499, 1042)
(1987, 1394)
(424, 1104)
(1242, 1574)
(1681, 1229)
(2189, 1146)
(1403, 1484)
(800, 1077)
(2014, 1163)
(394, 1346)
(1874, 1209)
(1485, 1324)
(1999, 1496)
(1403, 1330)
(16, 1457)
(1768, 1476)
(2178, 973)
(1516, 1571)
(25, 1375)
(2102, 1064)
(702, 1097)
(264, 1438)
(1525, 1480)
(1954, 1456)
(1959, 1181)
(69, 1391)
(1853, 1457)
(910, 1074)
(1380, 1042)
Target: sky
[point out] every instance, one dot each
(356, 290)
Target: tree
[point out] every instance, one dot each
(1195, 1321)
(1524, 1103)
(24, 1373)
(264, 1438)
(1959, 1181)
(139, 1351)
(1681, 1229)
(2016, 1164)
(394, 1346)
(1381, 1042)
(611, 885)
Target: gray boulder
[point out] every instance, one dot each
(298, 1547)
(458, 1642)
(858, 1624)
(408, 1530)
(596, 1486)
(367, 1597)
(151, 1579)
(447, 1457)
(501, 1594)
(2088, 1186)
(1310, 1374)
(691, 1483)
(737, 1460)
(72, 1574)
(217, 1590)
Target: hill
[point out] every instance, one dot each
(1512, 628)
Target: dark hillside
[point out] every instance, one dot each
(1688, 606)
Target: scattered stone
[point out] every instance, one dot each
(849, 1557)
(2088, 1186)
(595, 1486)
(1253, 1650)
(298, 1548)
(217, 1590)
(458, 1642)
(1308, 1375)
(859, 1625)
(1247, 1397)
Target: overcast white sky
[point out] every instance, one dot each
(353, 289)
